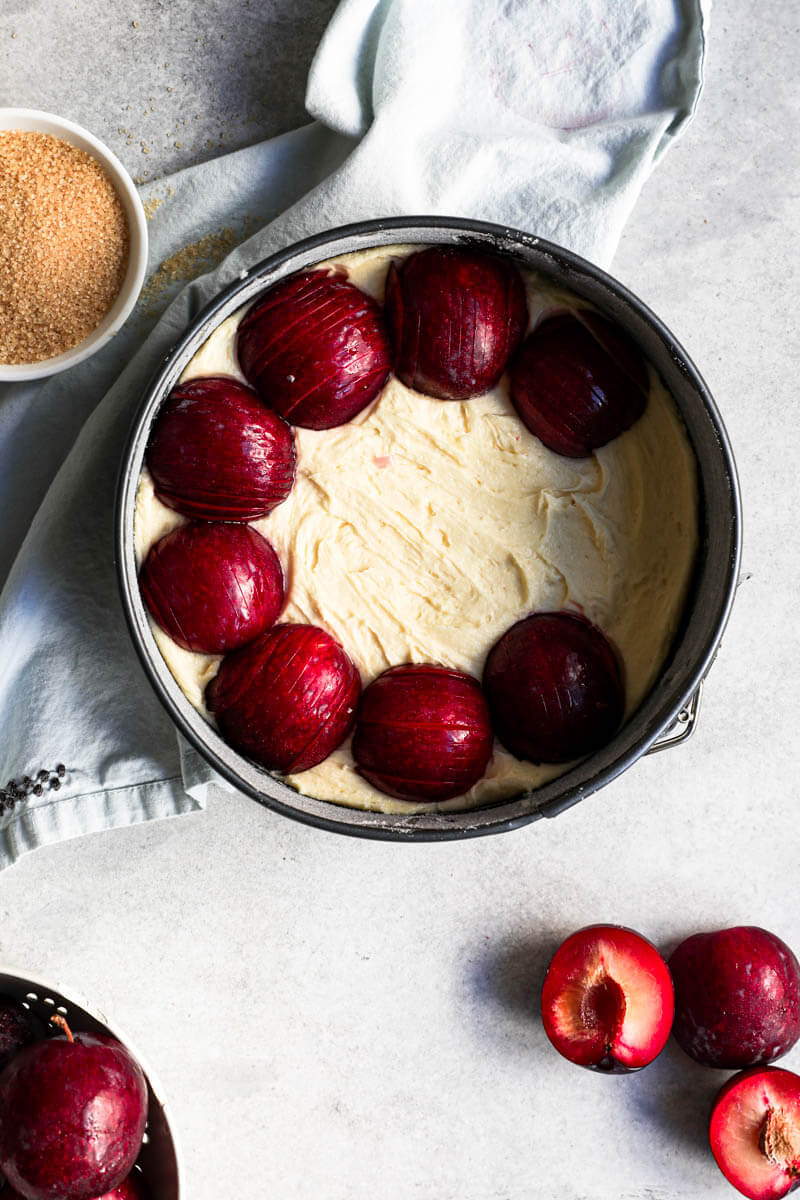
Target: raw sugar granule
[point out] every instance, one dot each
(63, 245)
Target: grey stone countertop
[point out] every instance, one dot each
(164, 83)
(344, 1019)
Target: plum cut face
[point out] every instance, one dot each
(213, 587)
(423, 733)
(737, 997)
(578, 383)
(455, 317)
(72, 1117)
(288, 699)
(315, 349)
(607, 999)
(754, 1132)
(217, 453)
(554, 687)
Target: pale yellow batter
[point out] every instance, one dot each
(423, 529)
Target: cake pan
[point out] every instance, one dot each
(667, 714)
(158, 1157)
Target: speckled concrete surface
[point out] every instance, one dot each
(164, 83)
(347, 1020)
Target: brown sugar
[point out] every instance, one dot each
(187, 263)
(63, 246)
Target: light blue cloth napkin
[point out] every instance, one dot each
(541, 114)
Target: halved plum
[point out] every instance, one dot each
(554, 687)
(754, 1132)
(218, 453)
(212, 586)
(578, 382)
(315, 348)
(423, 732)
(607, 999)
(287, 699)
(455, 316)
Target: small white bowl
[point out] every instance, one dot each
(29, 120)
